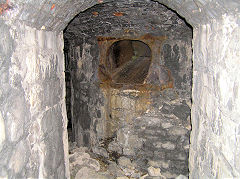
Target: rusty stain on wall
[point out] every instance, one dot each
(53, 6)
(118, 14)
(95, 13)
(4, 7)
(129, 100)
(154, 42)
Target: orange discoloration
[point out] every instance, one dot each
(118, 14)
(53, 6)
(106, 80)
(107, 38)
(4, 7)
(95, 13)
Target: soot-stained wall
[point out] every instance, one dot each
(151, 120)
(214, 149)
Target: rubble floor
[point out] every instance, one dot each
(84, 164)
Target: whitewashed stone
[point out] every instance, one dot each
(15, 126)
(18, 159)
(2, 133)
(215, 121)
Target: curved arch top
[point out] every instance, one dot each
(55, 15)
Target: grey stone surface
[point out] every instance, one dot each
(112, 113)
(87, 173)
(158, 20)
(114, 146)
(32, 103)
(50, 14)
(115, 170)
(215, 125)
(181, 177)
(100, 151)
(214, 150)
(124, 161)
(154, 172)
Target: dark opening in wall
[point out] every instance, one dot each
(127, 62)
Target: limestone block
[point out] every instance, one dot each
(154, 171)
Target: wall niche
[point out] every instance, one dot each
(131, 87)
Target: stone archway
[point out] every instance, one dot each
(31, 31)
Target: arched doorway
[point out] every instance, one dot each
(28, 102)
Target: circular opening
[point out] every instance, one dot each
(128, 62)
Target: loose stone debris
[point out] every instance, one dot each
(86, 164)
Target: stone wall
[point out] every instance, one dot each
(54, 16)
(83, 52)
(214, 150)
(32, 105)
(206, 18)
(147, 122)
(86, 98)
